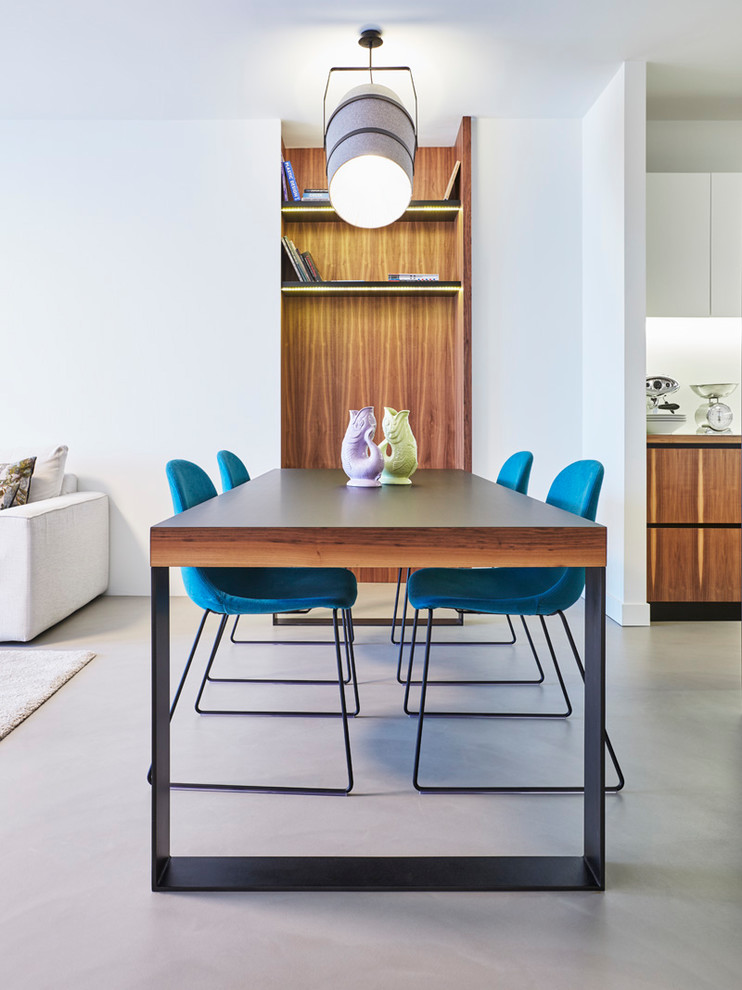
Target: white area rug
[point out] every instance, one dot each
(29, 677)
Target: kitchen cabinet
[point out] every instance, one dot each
(726, 244)
(694, 547)
(694, 244)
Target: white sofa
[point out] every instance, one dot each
(53, 559)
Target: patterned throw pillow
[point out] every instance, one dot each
(15, 480)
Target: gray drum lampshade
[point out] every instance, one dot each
(370, 143)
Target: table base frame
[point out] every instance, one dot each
(390, 873)
(380, 873)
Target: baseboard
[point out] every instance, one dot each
(627, 613)
(696, 611)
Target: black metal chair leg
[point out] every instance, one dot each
(279, 642)
(615, 788)
(496, 714)
(492, 642)
(279, 789)
(341, 688)
(215, 647)
(493, 789)
(396, 602)
(489, 681)
(276, 712)
(423, 691)
(350, 658)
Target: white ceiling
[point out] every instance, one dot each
(241, 58)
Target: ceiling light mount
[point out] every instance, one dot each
(371, 38)
(370, 143)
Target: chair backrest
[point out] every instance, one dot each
(516, 471)
(189, 484)
(232, 470)
(577, 488)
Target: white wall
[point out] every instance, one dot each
(140, 305)
(694, 145)
(613, 329)
(526, 295)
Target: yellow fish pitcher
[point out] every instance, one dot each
(401, 463)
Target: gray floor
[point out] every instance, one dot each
(74, 836)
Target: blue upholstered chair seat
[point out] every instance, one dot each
(263, 590)
(497, 590)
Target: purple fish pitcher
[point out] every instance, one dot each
(361, 458)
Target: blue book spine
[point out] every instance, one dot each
(291, 179)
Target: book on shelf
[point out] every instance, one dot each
(453, 182)
(297, 262)
(309, 262)
(310, 195)
(291, 179)
(284, 186)
(412, 277)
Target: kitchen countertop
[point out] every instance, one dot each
(694, 440)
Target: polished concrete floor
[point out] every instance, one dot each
(77, 910)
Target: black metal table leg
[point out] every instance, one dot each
(160, 724)
(392, 873)
(594, 806)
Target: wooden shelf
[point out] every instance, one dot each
(419, 211)
(371, 288)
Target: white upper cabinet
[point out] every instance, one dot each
(678, 243)
(726, 244)
(694, 244)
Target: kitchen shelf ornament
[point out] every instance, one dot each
(401, 463)
(361, 459)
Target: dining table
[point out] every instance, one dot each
(301, 517)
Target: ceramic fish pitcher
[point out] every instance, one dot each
(361, 458)
(402, 461)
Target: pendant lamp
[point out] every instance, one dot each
(370, 144)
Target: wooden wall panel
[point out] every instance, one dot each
(700, 485)
(694, 565)
(345, 353)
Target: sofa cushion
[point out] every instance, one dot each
(48, 473)
(15, 480)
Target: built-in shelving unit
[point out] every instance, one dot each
(357, 339)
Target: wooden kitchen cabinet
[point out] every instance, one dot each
(694, 244)
(694, 547)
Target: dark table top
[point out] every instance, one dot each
(314, 506)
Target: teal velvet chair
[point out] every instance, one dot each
(231, 469)
(514, 474)
(233, 591)
(532, 591)
(233, 473)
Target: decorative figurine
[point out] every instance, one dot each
(361, 458)
(402, 462)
